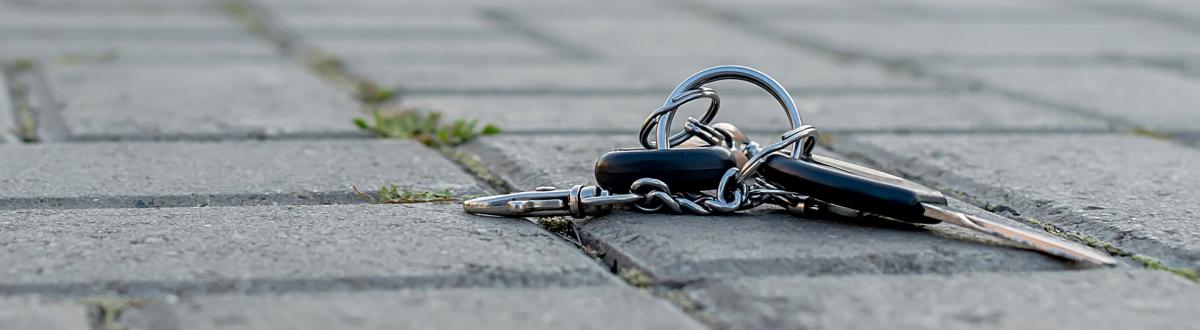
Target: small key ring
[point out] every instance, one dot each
(726, 72)
(667, 111)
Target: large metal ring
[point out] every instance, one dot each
(726, 72)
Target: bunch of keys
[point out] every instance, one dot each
(713, 168)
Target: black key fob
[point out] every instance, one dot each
(682, 169)
(853, 186)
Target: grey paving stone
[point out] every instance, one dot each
(124, 50)
(1135, 192)
(115, 6)
(482, 78)
(620, 36)
(757, 112)
(936, 41)
(79, 25)
(233, 173)
(217, 101)
(1108, 299)
(681, 249)
(606, 307)
(31, 312)
(1142, 96)
(418, 51)
(259, 249)
(8, 125)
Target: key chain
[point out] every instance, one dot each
(713, 168)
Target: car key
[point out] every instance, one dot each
(683, 169)
(832, 181)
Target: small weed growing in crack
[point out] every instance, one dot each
(110, 307)
(393, 195)
(635, 277)
(1151, 263)
(555, 224)
(426, 127)
(372, 94)
(19, 95)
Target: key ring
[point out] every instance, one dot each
(693, 88)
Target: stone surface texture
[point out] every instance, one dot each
(194, 164)
(212, 173)
(1073, 300)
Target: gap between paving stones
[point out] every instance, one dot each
(510, 21)
(332, 69)
(740, 21)
(31, 102)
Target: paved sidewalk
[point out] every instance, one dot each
(191, 164)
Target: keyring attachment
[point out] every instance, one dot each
(693, 88)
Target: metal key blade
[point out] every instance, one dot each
(1041, 242)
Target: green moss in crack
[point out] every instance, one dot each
(19, 96)
(636, 277)
(111, 307)
(423, 126)
(1151, 263)
(391, 194)
(371, 94)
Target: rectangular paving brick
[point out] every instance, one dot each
(934, 41)
(1107, 299)
(605, 307)
(680, 35)
(55, 25)
(123, 50)
(233, 173)
(1147, 97)
(423, 50)
(188, 101)
(1134, 192)
(675, 249)
(280, 248)
(32, 312)
(758, 112)
(482, 78)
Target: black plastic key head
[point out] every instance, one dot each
(682, 169)
(853, 186)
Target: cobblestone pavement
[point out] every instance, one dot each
(188, 164)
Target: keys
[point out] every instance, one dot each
(717, 169)
(846, 185)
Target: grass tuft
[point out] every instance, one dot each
(111, 307)
(426, 127)
(372, 94)
(1151, 263)
(636, 277)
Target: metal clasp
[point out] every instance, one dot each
(579, 201)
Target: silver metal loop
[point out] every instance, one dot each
(660, 119)
(753, 76)
(807, 133)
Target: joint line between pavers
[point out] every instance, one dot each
(333, 70)
(8, 127)
(827, 91)
(156, 201)
(19, 90)
(51, 125)
(262, 286)
(514, 23)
